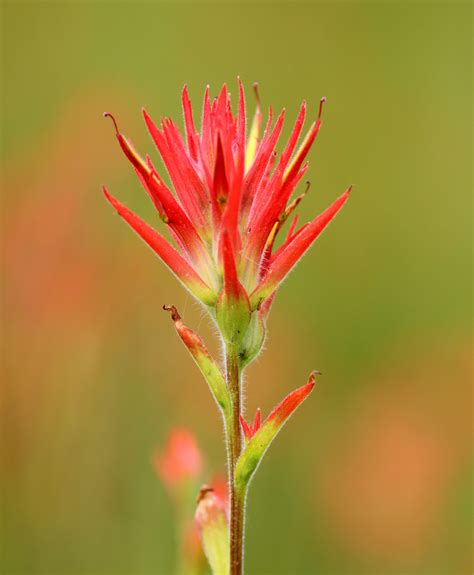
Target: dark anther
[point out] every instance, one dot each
(205, 489)
(321, 103)
(174, 312)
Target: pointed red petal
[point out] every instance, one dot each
(252, 190)
(303, 150)
(220, 188)
(221, 105)
(295, 134)
(256, 421)
(178, 265)
(170, 211)
(293, 250)
(154, 198)
(176, 218)
(187, 184)
(191, 134)
(206, 130)
(245, 428)
(235, 175)
(271, 210)
(262, 219)
(185, 167)
(231, 214)
(292, 227)
(232, 285)
(241, 126)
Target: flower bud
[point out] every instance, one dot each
(252, 343)
(211, 521)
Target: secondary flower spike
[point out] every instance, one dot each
(230, 195)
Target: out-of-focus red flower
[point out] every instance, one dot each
(180, 461)
(233, 194)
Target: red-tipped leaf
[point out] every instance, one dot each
(261, 438)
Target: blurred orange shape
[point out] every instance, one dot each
(181, 460)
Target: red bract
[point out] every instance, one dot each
(250, 429)
(282, 411)
(232, 194)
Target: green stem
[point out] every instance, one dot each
(234, 439)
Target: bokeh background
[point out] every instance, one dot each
(374, 475)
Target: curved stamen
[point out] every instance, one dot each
(109, 115)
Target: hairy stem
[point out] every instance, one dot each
(234, 449)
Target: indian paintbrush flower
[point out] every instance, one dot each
(231, 196)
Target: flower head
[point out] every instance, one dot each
(232, 194)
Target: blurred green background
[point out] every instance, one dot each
(374, 474)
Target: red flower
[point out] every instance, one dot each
(231, 197)
(180, 461)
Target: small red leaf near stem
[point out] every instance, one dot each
(256, 421)
(245, 428)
